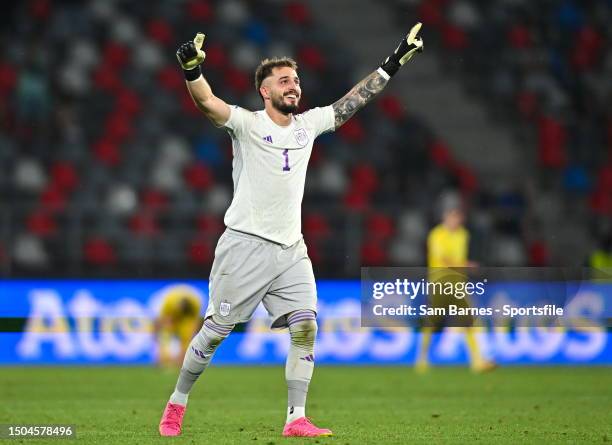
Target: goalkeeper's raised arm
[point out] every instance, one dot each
(190, 55)
(368, 88)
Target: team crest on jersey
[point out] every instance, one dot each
(224, 308)
(301, 136)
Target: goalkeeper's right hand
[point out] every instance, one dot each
(190, 56)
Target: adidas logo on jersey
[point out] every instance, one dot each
(268, 139)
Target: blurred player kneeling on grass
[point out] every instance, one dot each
(179, 317)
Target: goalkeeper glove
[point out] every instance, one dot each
(407, 48)
(190, 56)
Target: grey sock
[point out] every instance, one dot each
(297, 392)
(300, 360)
(199, 354)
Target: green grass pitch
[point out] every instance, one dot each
(362, 405)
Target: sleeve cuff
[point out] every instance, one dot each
(383, 73)
(193, 74)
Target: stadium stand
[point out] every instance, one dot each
(111, 170)
(543, 68)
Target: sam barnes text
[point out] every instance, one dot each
(453, 310)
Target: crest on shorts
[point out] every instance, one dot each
(224, 308)
(301, 136)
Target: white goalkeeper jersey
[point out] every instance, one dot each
(269, 171)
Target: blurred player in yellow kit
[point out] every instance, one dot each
(179, 317)
(447, 247)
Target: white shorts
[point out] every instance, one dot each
(248, 270)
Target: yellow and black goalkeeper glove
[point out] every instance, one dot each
(408, 47)
(191, 56)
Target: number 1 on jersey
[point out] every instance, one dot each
(286, 156)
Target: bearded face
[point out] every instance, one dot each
(283, 89)
(285, 102)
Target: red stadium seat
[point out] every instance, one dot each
(199, 176)
(39, 9)
(154, 199)
(587, 48)
(8, 78)
(356, 200)
(128, 102)
(106, 78)
(216, 56)
(209, 225)
(364, 178)
(310, 56)
(466, 177)
(160, 31)
(53, 198)
(454, 38)
(380, 227)
(171, 79)
(315, 252)
(352, 131)
(144, 224)
(431, 12)
(237, 80)
(41, 223)
(64, 175)
(539, 255)
(99, 252)
(115, 55)
(552, 139)
(316, 226)
(199, 11)
(298, 13)
(440, 154)
(604, 178)
(519, 37)
(601, 202)
(118, 127)
(107, 152)
(391, 107)
(200, 252)
(373, 254)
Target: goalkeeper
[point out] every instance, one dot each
(261, 257)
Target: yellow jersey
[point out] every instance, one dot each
(446, 248)
(180, 303)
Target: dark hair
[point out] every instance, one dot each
(267, 65)
(187, 307)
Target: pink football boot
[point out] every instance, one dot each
(303, 427)
(172, 419)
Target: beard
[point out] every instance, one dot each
(280, 105)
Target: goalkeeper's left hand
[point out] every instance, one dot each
(408, 47)
(190, 54)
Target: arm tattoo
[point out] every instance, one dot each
(360, 94)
